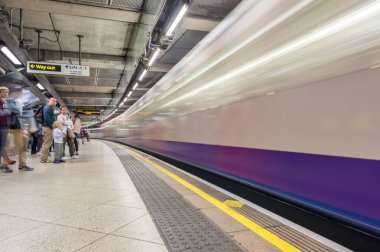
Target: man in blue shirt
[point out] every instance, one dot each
(47, 129)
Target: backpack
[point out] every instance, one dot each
(39, 115)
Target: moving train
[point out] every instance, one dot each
(282, 96)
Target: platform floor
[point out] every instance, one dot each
(91, 204)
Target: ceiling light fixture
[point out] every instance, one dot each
(142, 75)
(270, 93)
(10, 55)
(177, 20)
(129, 94)
(151, 61)
(375, 66)
(126, 98)
(40, 86)
(135, 86)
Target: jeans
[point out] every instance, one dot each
(3, 144)
(34, 137)
(58, 151)
(76, 142)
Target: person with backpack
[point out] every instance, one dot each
(47, 129)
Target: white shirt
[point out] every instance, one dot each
(66, 122)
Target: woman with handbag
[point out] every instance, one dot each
(67, 128)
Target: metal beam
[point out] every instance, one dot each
(73, 9)
(14, 75)
(75, 88)
(45, 82)
(11, 41)
(198, 24)
(94, 60)
(163, 68)
(90, 107)
(85, 95)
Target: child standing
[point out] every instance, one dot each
(58, 142)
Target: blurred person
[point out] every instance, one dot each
(67, 127)
(40, 137)
(47, 129)
(4, 126)
(20, 135)
(77, 128)
(82, 134)
(87, 134)
(58, 134)
(34, 140)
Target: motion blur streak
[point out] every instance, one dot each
(281, 96)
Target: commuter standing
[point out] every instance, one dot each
(4, 126)
(48, 114)
(77, 128)
(16, 127)
(68, 134)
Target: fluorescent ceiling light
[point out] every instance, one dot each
(376, 66)
(10, 56)
(154, 57)
(270, 93)
(121, 104)
(135, 86)
(129, 94)
(40, 86)
(177, 19)
(126, 98)
(142, 75)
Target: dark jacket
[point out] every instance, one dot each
(15, 117)
(48, 116)
(4, 114)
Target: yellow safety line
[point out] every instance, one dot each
(256, 228)
(233, 203)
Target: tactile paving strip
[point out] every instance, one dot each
(183, 227)
(297, 239)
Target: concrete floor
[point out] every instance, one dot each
(89, 204)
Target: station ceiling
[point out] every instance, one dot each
(114, 38)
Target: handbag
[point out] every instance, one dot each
(70, 133)
(32, 125)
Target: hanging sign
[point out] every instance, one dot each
(61, 69)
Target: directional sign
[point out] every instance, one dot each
(62, 69)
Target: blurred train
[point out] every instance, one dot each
(282, 96)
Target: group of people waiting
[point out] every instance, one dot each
(60, 130)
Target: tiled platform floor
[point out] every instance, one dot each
(89, 204)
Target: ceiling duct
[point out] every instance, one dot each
(131, 4)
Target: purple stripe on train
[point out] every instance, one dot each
(344, 186)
